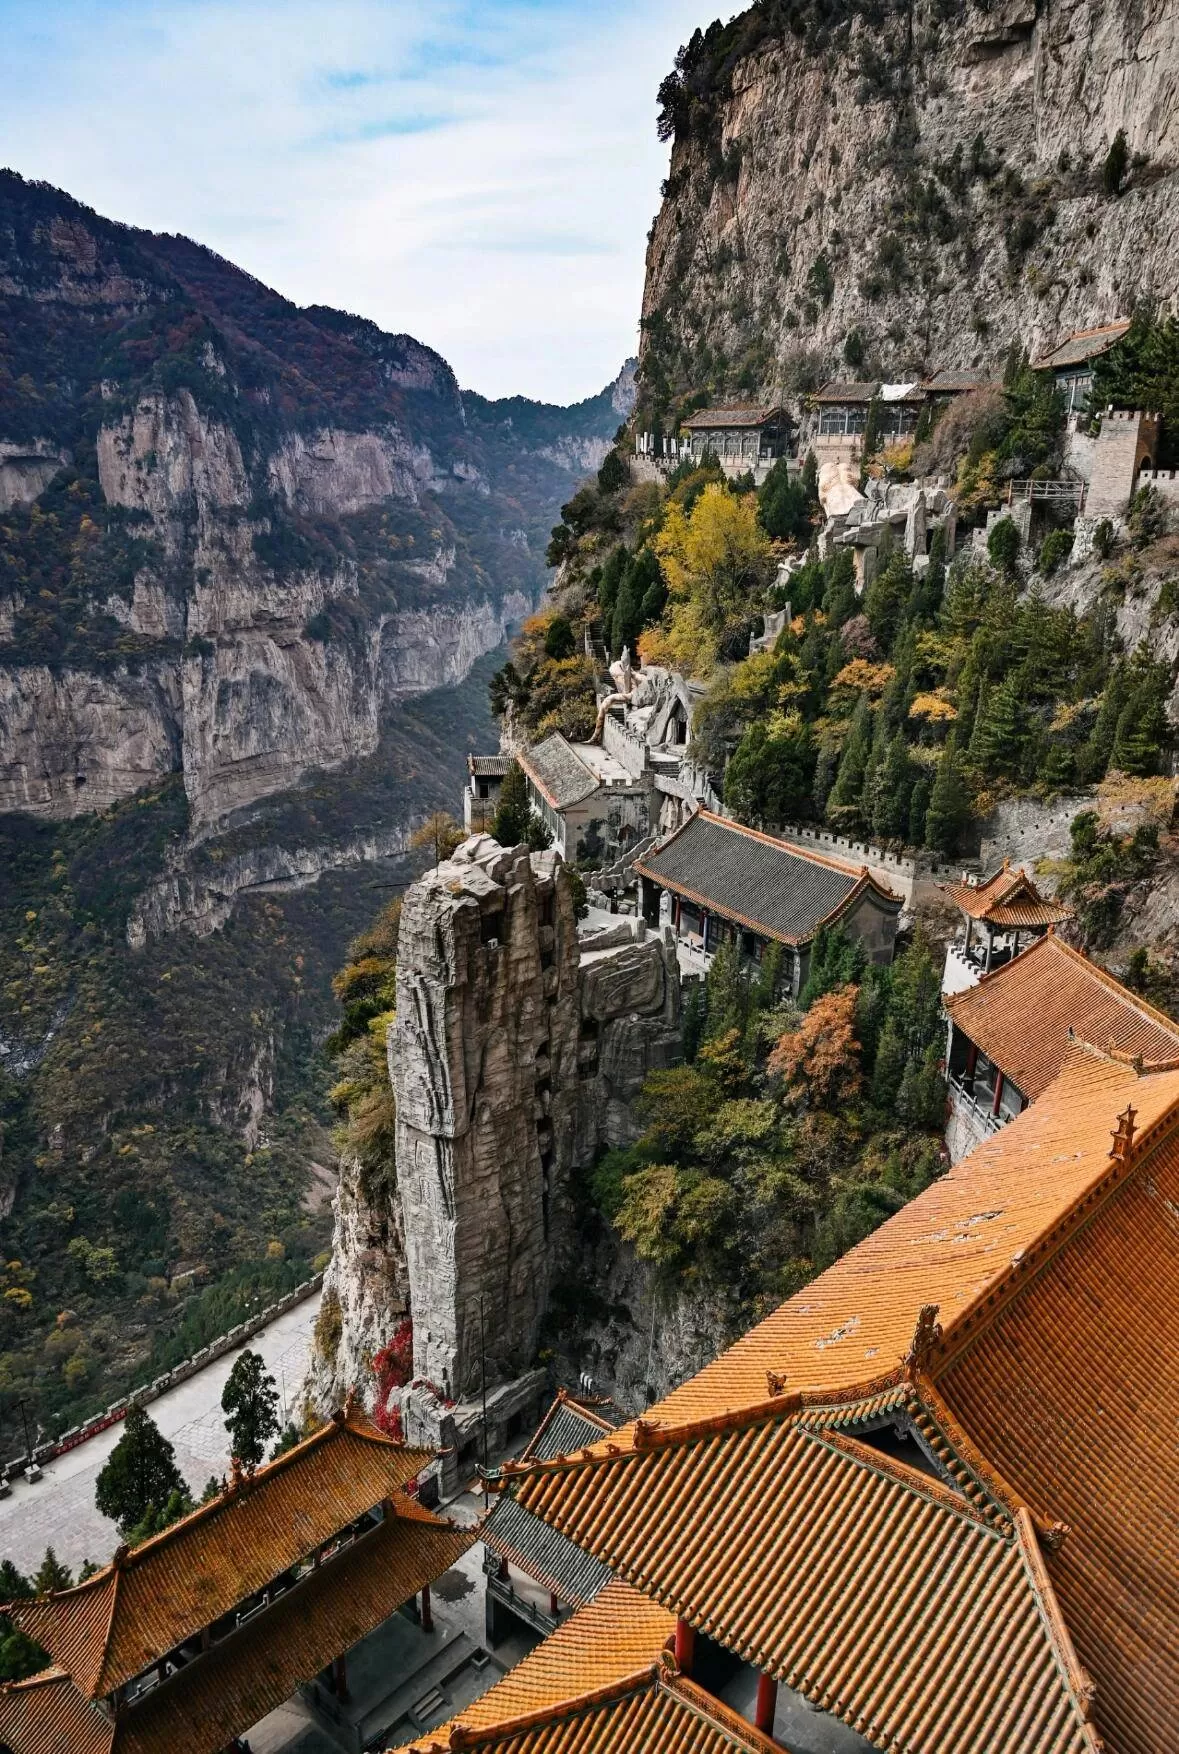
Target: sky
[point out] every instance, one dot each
(479, 173)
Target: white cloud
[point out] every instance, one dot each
(481, 175)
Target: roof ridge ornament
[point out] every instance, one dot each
(926, 1335)
(1123, 1134)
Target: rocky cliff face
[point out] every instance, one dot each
(237, 531)
(516, 1053)
(900, 188)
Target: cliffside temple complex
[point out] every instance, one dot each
(1010, 1033)
(928, 1504)
(183, 1643)
(728, 882)
(745, 438)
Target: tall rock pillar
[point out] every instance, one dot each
(483, 1059)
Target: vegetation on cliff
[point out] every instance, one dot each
(789, 1133)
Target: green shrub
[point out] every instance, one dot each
(1055, 550)
(1003, 545)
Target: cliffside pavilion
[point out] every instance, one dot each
(726, 882)
(186, 1641)
(928, 1503)
(520, 1550)
(997, 914)
(1009, 1034)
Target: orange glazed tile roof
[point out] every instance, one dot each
(156, 1595)
(47, 1715)
(222, 1693)
(1021, 1015)
(1088, 1431)
(1008, 900)
(962, 1613)
(767, 1536)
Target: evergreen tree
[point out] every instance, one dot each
(886, 598)
(839, 587)
(52, 1575)
(608, 584)
(19, 1655)
(894, 788)
(140, 1472)
(810, 479)
(782, 505)
(250, 1403)
(949, 806)
(825, 766)
(558, 638)
(918, 811)
(843, 806)
(836, 961)
(890, 1066)
(509, 825)
(921, 1099)
(1003, 732)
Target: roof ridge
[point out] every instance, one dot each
(966, 1324)
(904, 1474)
(698, 1699)
(1075, 1676)
(1005, 1496)
(250, 1482)
(471, 1736)
(783, 846)
(1133, 999)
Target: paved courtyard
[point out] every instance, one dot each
(59, 1510)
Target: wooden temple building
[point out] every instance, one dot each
(1009, 1033)
(183, 1643)
(534, 1574)
(928, 1504)
(729, 882)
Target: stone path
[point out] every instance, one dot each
(59, 1510)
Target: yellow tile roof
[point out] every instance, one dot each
(222, 1692)
(154, 1596)
(1021, 1015)
(614, 1638)
(927, 1614)
(857, 1581)
(1008, 899)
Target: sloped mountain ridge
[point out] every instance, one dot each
(266, 525)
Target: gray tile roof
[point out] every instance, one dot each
(1086, 344)
(745, 414)
(565, 1427)
(948, 383)
(543, 1553)
(782, 892)
(559, 772)
(488, 767)
(836, 392)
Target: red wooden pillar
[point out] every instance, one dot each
(767, 1704)
(685, 1646)
(340, 1677)
(504, 1570)
(427, 1613)
(554, 1605)
(998, 1091)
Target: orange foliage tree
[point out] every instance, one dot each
(820, 1060)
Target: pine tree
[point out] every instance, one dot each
(250, 1403)
(843, 805)
(890, 816)
(609, 582)
(839, 587)
(509, 825)
(52, 1575)
(949, 806)
(918, 811)
(890, 1066)
(1003, 731)
(140, 1473)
